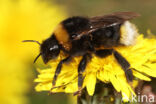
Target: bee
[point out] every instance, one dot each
(84, 36)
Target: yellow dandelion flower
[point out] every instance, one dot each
(141, 56)
(20, 20)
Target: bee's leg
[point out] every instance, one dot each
(124, 64)
(58, 69)
(103, 53)
(120, 59)
(81, 69)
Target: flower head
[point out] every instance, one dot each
(141, 56)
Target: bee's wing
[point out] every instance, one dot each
(107, 21)
(111, 19)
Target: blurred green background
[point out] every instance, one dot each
(36, 19)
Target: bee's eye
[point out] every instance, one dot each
(53, 48)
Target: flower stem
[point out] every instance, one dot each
(103, 95)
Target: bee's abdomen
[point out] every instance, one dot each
(106, 37)
(129, 33)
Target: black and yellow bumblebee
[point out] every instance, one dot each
(84, 36)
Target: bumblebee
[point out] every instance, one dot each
(84, 36)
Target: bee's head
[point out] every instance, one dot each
(50, 49)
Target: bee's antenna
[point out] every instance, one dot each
(37, 43)
(32, 41)
(37, 57)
